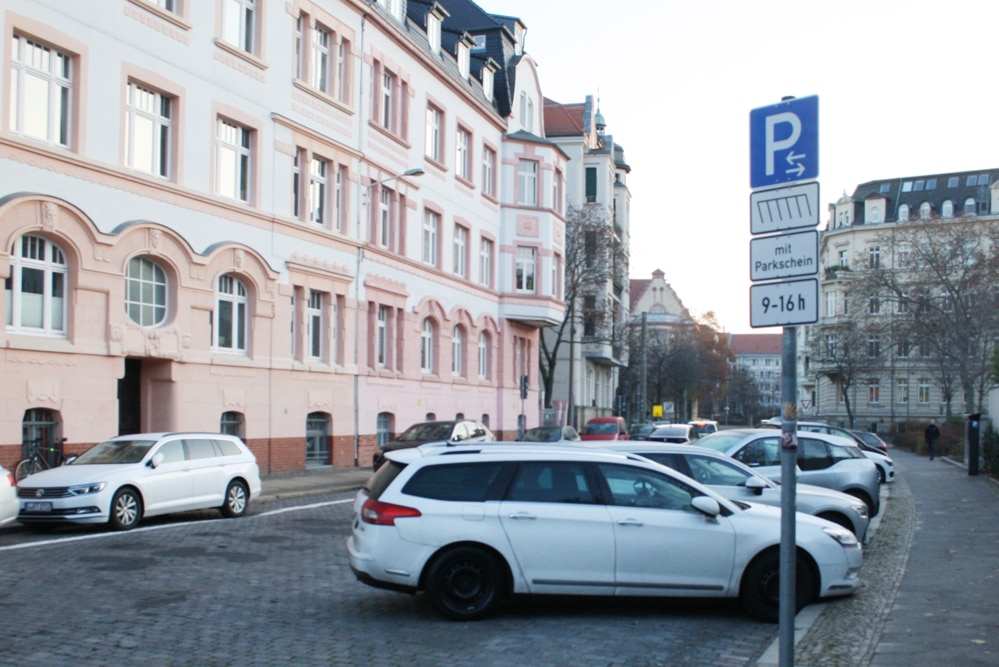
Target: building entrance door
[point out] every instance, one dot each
(130, 398)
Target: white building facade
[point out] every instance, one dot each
(307, 223)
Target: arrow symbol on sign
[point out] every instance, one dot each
(798, 169)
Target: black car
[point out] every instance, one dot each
(461, 430)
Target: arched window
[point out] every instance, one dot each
(428, 338)
(230, 314)
(36, 287)
(231, 424)
(875, 214)
(924, 211)
(457, 351)
(903, 212)
(39, 432)
(384, 427)
(317, 441)
(484, 356)
(948, 209)
(969, 206)
(145, 292)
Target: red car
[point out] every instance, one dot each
(605, 428)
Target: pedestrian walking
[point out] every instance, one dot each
(932, 435)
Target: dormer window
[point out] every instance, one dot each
(463, 59)
(969, 206)
(875, 214)
(903, 212)
(924, 211)
(393, 7)
(434, 32)
(487, 82)
(948, 209)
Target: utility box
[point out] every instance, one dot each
(973, 432)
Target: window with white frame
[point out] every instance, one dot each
(338, 203)
(431, 229)
(464, 60)
(947, 210)
(557, 191)
(874, 305)
(231, 423)
(902, 390)
(844, 259)
(41, 91)
(830, 303)
(383, 429)
(145, 292)
(463, 154)
(434, 32)
(296, 184)
(904, 348)
(874, 390)
(483, 356)
(969, 206)
(315, 316)
(555, 281)
(487, 83)
(488, 171)
(149, 130)
(393, 7)
(320, 71)
(527, 183)
(486, 262)
(458, 351)
(381, 337)
(239, 24)
(230, 314)
(384, 222)
(318, 191)
(923, 390)
(301, 55)
(36, 287)
(433, 137)
(233, 153)
(903, 213)
(874, 257)
(875, 214)
(924, 211)
(460, 246)
(387, 105)
(874, 346)
(526, 259)
(428, 341)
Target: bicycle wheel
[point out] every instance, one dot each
(26, 467)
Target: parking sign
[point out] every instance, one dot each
(784, 142)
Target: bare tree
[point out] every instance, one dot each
(942, 279)
(590, 250)
(844, 352)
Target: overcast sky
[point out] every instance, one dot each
(905, 87)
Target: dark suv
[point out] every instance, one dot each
(461, 430)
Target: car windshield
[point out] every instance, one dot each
(721, 441)
(600, 428)
(115, 451)
(542, 435)
(642, 429)
(670, 431)
(427, 432)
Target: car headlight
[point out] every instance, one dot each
(841, 535)
(84, 489)
(861, 509)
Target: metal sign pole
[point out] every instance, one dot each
(788, 489)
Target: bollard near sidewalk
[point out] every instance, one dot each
(972, 433)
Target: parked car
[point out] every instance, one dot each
(573, 520)
(675, 433)
(886, 466)
(737, 481)
(8, 497)
(550, 434)
(639, 431)
(459, 430)
(823, 460)
(605, 428)
(705, 426)
(871, 440)
(125, 479)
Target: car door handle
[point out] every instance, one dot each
(630, 522)
(523, 515)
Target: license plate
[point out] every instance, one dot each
(37, 507)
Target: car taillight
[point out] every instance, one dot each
(10, 479)
(385, 514)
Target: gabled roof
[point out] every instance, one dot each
(756, 344)
(563, 119)
(933, 189)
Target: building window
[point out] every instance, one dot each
(902, 390)
(387, 108)
(232, 168)
(41, 90)
(384, 223)
(381, 337)
(487, 81)
(484, 356)
(924, 211)
(591, 185)
(527, 183)
(874, 257)
(315, 317)
(554, 289)
(844, 259)
(231, 423)
(948, 209)
(903, 213)
(464, 60)
(969, 206)
(428, 341)
(904, 348)
(319, 191)
(320, 70)
(431, 227)
(874, 390)
(434, 138)
(486, 262)
(557, 191)
(463, 154)
(239, 23)
(460, 259)
(230, 314)
(145, 292)
(831, 346)
(830, 304)
(525, 269)
(874, 305)
(923, 391)
(148, 135)
(36, 287)
(383, 428)
(875, 214)
(457, 351)
(434, 32)
(489, 172)
(317, 441)
(874, 346)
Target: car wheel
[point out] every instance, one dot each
(838, 519)
(465, 583)
(760, 590)
(236, 500)
(881, 475)
(126, 509)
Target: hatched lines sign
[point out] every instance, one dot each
(780, 209)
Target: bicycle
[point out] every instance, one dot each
(37, 462)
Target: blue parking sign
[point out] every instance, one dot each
(784, 142)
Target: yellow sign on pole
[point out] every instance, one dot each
(657, 410)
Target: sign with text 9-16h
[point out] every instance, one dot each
(787, 303)
(784, 142)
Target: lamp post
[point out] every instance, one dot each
(365, 195)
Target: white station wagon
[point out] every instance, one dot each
(470, 525)
(126, 478)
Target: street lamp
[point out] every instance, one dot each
(415, 171)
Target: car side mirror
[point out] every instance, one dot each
(706, 505)
(69, 459)
(156, 460)
(756, 485)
